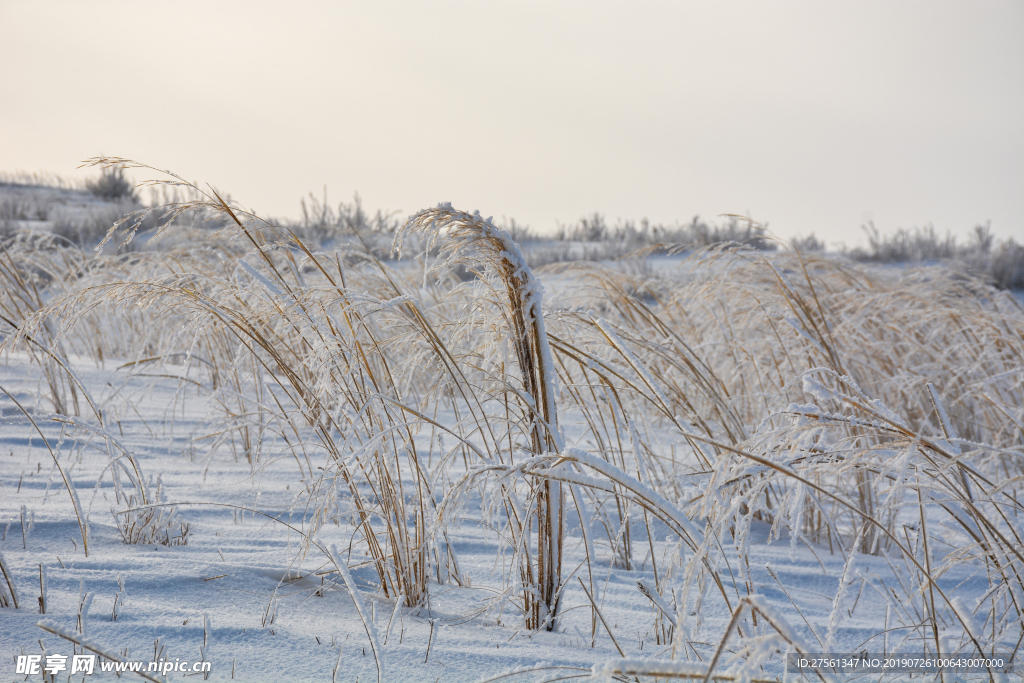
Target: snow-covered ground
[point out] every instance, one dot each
(275, 612)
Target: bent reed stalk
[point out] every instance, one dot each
(476, 243)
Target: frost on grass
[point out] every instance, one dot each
(516, 460)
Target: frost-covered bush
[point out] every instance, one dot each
(112, 184)
(1001, 262)
(151, 524)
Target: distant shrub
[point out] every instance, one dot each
(810, 243)
(1001, 263)
(629, 235)
(905, 245)
(1006, 268)
(14, 209)
(112, 185)
(86, 230)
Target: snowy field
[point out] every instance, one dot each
(301, 463)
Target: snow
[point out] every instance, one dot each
(263, 593)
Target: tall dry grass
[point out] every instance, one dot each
(858, 411)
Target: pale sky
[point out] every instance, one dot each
(810, 116)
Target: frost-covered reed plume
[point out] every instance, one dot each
(868, 411)
(32, 266)
(291, 352)
(475, 243)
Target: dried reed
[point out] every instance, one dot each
(858, 410)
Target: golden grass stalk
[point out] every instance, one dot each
(469, 240)
(8, 593)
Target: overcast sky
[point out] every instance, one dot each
(810, 116)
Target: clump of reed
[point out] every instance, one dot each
(149, 522)
(32, 268)
(475, 243)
